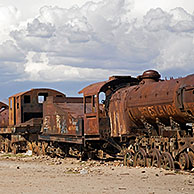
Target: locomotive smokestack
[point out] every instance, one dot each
(150, 76)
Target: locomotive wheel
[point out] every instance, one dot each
(140, 158)
(128, 158)
(191, 158)
(167, 161)
(155, 158)
(183, 161)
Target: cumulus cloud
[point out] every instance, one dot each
(10, 52)
(9, 20)
(38, 68)
(99, 39)
(9, 16)
(36, 28)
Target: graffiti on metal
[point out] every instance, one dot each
(154, 111)
(46, 123)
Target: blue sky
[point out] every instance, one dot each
(68, 44)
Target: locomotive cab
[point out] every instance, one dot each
(96, 118)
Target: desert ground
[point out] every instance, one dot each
(42, 174)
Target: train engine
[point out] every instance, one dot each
(158, 115)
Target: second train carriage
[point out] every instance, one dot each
(82, 124)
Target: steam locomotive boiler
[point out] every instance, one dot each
(159, 114)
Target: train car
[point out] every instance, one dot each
(148, 120)
(81, 125)
(62, 125)
(25, 118)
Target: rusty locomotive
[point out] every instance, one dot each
(145, 120)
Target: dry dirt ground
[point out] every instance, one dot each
(47, 175)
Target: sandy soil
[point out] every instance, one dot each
(47, 175)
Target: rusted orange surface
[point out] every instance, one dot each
(28, 105)
(64, 118)
(4, 115)
(151, 100)
(96, 121)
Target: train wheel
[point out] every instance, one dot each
(140, 158)
(183, 161)
(155, 158)
(191, 158)
(167, 161)
(128, 158)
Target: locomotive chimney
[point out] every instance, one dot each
(150, 76)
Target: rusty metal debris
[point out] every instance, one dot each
(144, 120)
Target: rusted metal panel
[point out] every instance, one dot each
(63, 118)
(118, 114)
(6, 130)
(160, 102)
(28, 105)
(65, 139)
(4, 115)
(91, 125)
(91, 115)
(152, 99)
(96, 88)
(96, 121)
(17, 138)
(92, 89)
(11, 111)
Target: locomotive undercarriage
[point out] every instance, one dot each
(16, 143)
(172, 149)
(88, 149)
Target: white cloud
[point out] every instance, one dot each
(36, 28)
(178, 55)
(38, 68)
(10, 52)
(9, 20)
(9, 16)
(30, 9)
(98, 39)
